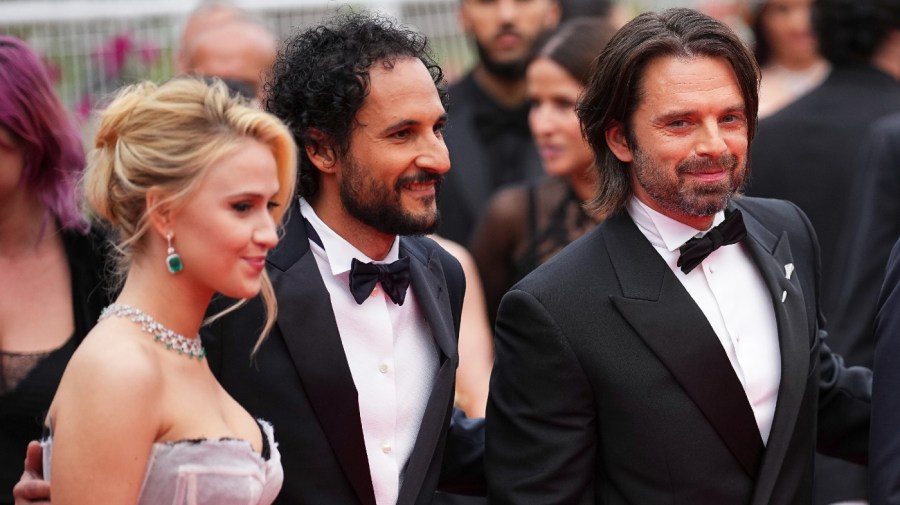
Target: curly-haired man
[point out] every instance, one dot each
(358, 374)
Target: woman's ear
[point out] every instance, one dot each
(321, 151)
(159, 214)
(618, 143)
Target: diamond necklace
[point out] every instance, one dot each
(173, 341)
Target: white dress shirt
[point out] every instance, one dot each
(392, 356)
(732, 294)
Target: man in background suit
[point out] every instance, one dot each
(870, 232)
(487, 132)
(629, 373)
(357, 375)
(810, 153)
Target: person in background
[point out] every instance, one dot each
(786, 49)
(241, 52)
(487, 127)
(51, 261)
(809, 153)
(208, 14)
(870, 233)
(193, 182)
(525, 225)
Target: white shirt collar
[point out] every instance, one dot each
(335, 249)
(662, 230)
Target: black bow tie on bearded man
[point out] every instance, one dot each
(394, 279)
(730, 231)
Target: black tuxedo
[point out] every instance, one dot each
(482, 160)
(301, 382)
(611, 387)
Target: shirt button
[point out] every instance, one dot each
(374, 292)
(386, 448)
(712, 270)
(383, 368)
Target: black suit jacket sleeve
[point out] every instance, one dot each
(546, 449)
(884, 447)
(462, 471)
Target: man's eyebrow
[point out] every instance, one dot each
(403, 123)
(682, 113)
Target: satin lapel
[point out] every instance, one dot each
(668, 320)
(307, 322)
(772, 253)
(430, 287)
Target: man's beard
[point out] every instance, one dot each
(687, 196)
(510, 71)
(378, 206)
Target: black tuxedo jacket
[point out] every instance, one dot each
(300, 380)
(610, 386)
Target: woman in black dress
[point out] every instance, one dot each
(526, 224)
(50, 261)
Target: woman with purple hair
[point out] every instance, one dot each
(50, 261)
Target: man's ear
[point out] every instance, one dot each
(618, 143)
(159, 214)
(320, 151)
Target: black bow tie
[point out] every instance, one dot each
(729, 231)
(394, 279)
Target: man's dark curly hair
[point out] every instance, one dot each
(321, 78)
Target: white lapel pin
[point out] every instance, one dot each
(788, 270)
(783, 296)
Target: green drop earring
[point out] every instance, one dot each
(173, 260)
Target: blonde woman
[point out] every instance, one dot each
(194, 183)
